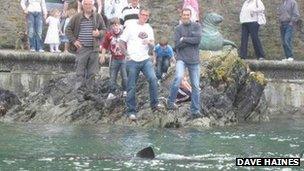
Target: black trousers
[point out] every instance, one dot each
(252, 29)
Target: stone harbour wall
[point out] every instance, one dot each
(24, 72)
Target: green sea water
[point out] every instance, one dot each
(103, 147)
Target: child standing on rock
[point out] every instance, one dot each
(52, 35)
(63, 38)
(117, 61)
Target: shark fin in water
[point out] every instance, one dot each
(146, 153)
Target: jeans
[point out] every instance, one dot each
(287, 38)
(162, 65)
(251, 29)
(115, 67)
(133, 69)
(194, 73)
(34, 20)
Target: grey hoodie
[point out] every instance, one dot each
(288, 11)
(187, 50)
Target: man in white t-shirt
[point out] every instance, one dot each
(139, 40)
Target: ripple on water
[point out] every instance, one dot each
(294, 145)
(9, 161)
(49, 159)
(230, 137)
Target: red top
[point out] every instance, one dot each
(111, 43)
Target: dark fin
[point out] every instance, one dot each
(146, 153)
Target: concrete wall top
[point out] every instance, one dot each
(275, 69)
(11, 60)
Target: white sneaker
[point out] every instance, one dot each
(132, 117)
(32, 50)
(111, 96)
(41, 50)
(158, 82)
(284, 60)
(124, 94)
(289, 59)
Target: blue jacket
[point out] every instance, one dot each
(163, 52)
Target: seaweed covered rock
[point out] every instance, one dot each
(230, 93)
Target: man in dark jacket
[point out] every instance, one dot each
(187, 37)
(84, 31)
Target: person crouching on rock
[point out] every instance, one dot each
(84, 32)
(187, 37)
(118, 62)
(163, 54)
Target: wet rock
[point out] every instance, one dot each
(230, 92)
(7, 100)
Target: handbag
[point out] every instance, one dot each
(261, 18)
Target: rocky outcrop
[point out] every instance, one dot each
(7, 100)
(230, 92)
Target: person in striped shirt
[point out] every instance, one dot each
(84, 31)
(130, 13)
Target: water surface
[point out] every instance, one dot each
(66, 147)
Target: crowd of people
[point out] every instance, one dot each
(253, 11)
(123, 30)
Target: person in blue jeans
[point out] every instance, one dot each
(138, 39)
(288, 14)
(35, 11)
(163, 54)
(118, 62)
(187, 37)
